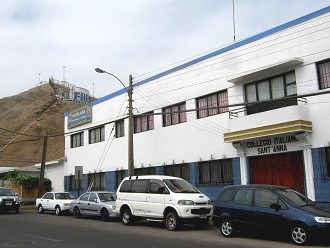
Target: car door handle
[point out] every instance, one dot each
(89, 204)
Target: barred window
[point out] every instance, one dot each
(177, 170)
(96, 181)
(145, 171)
(77, 139)
(216, 172)
(144, 123)
(120, 174)
(213, 104)
(96, 135)
(120, 129)
(73, 184)
(174, 114)
(323, 70)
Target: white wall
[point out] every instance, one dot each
(199, 139)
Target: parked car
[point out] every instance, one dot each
(9, 200)
(162, 198)
(273, 208)
(98, 203)
(55, 201)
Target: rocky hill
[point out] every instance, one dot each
(34, 113)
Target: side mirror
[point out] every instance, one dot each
(275, 206)
(95, 200)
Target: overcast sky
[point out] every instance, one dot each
(123, 37)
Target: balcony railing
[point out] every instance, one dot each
(258, 107)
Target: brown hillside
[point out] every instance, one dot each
(35, 112)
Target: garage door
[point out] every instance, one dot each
(286, 169)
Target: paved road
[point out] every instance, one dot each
(30, 229)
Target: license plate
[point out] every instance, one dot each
(203, 216)
(8, 203)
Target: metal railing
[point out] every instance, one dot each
(258, 107)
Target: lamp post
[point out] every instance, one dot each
(130, 119)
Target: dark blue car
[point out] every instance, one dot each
(276, 208)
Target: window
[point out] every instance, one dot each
(264, 199)
(120, 129)
(73, 183)
(96, 135)
(145, 171)
(323, 71)
(157, 187)
(92, 197)
(140, 186)
(84, 197)
(243, 196)
(216, 172)
(120, 174)
(77, 140)
(211, 104)
(144, 122)
(174, 114)
(126, 186)
(96, 180)
(271, 89)
(177, 170)
(227, 195)
(49, 196)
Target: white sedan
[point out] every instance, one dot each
(97, 203)
(55, 201)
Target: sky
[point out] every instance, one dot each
(68, 39)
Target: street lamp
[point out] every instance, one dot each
(130, 119)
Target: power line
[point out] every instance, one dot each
(231, 52)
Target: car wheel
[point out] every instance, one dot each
(76, 213)
(58, 210)
(172, 221)
(227, 228)
(104, 214)
(40, 209)
(127, 217)
(299, 234)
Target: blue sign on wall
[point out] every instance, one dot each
(80, 116)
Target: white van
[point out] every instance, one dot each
(162, 198)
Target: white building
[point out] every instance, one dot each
(273, 131)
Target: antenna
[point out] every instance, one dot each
(64, 74)
(234, 20)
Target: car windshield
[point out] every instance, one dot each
(180, 186)
(6, 192)
(63, 196)
(104, 197)
(294, 198)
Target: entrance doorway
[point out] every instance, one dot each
(285, 169)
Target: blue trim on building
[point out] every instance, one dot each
(220, 51)
(321, 179)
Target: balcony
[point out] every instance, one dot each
(288, 119)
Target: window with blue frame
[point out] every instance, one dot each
(74, 184)
(216, 172)
(120, 174)
(96, 181)
(177, 170)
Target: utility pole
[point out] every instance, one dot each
(42, 168)
(130, 128)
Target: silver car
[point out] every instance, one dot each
(96, 203)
